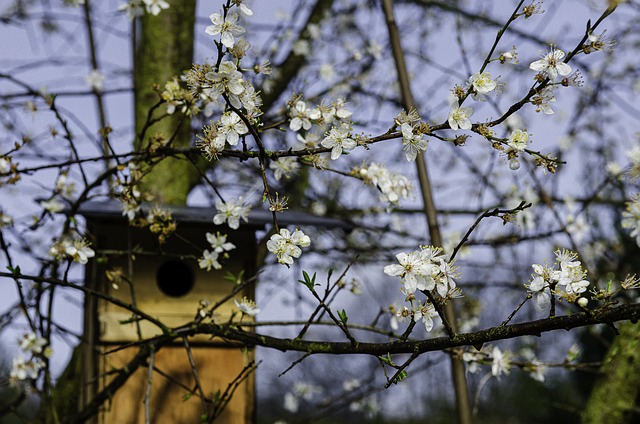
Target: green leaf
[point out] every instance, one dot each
(343, 316)
(310, 282)
(401, 376)
(14, 271)
(387, 360)
(235, 279)
(131, 320)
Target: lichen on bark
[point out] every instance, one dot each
(164, 49)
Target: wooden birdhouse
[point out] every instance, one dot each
(165, 282)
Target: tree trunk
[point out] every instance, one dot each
(164, 50)
(616, 390)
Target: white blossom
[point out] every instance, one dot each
(243, 7)
(631, 218)
(286, 245)
(53, 205)
(426, 313)
(23, 369)
(291, 402)
(231, 212)
(543, 99)
(423, 270)
(95, 80)
(209, 260)
(540, 288)
(306, 391)
(414, 271)
(300, 116)
(518, 140)
(230, 128)
(412, 143)
(472, 359)
(339, 140)
(227, 28)
(634, 156)
(284, 167)
(132, 8)
(154, 7)
(327, 72)
(247, 307)
(573, 278)
(459, 117)
(551, 65)
(393, 187)
(351, 384)
(500, 364)
(5, 165)
(482, 82)
(219, 242)
(79, 251)
(301, 47)
(31, 343)
(538, 370)
(226, 80)
(509, 57)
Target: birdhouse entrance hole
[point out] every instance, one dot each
(175, 278)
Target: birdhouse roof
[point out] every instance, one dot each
(258, 218)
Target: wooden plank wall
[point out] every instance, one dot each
(216, 367)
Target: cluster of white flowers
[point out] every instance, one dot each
(518, 141)
(302, 117)
(422, 270)
(393, 187)
(53, 205)
(631, 217)
(77, 250)
(634, 156)
(368, 405)
(134, 8)
(551, 66)
(126, 188)
(175, 96)
(64, 187)
(425, 313)
(301, 391)
(28, 363)
(459, 117)
(219, 246)
(228, 80)
(286, 245)
(567, 273)
(413, 141)
(231, 211)
(247, 307)
(502, 361)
